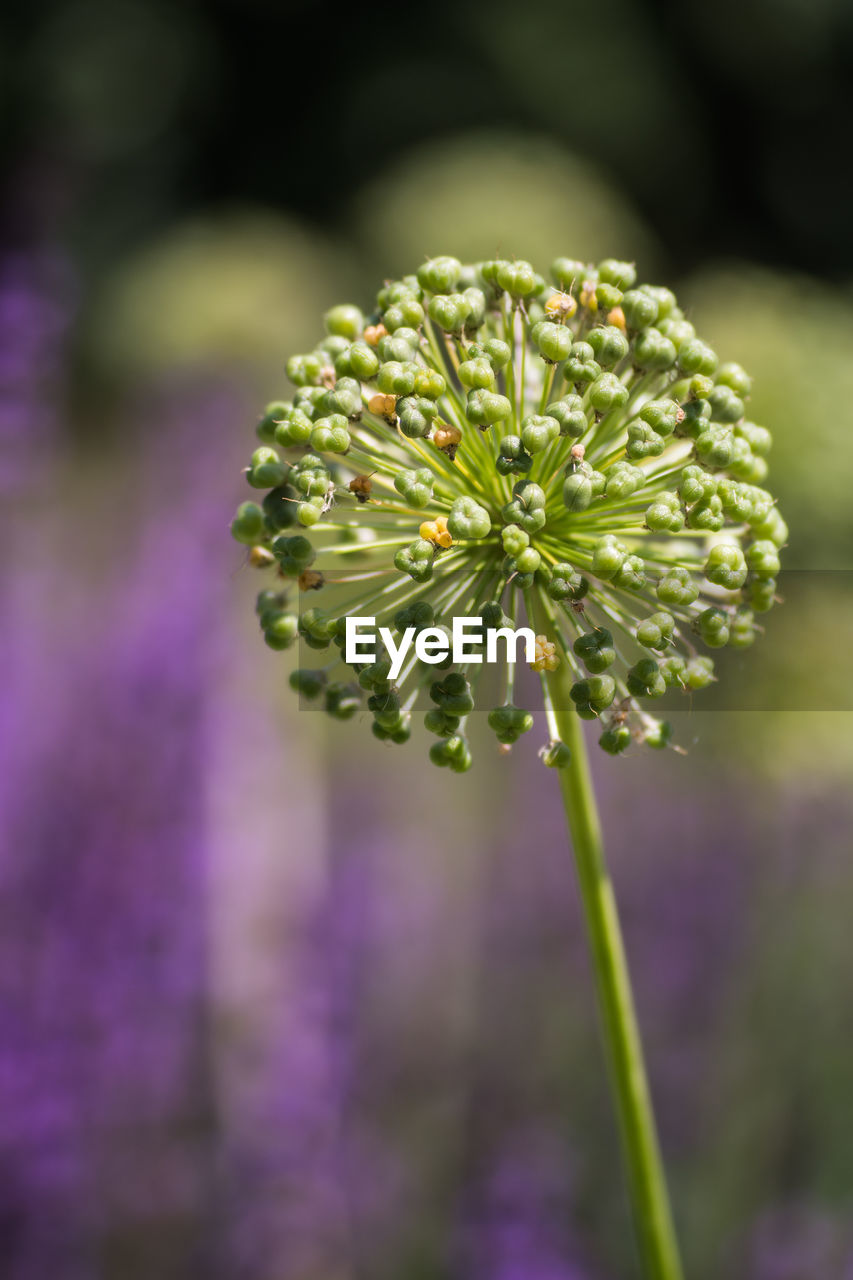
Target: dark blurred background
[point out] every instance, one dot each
(257, 1018)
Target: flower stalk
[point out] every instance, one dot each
(656, 1239)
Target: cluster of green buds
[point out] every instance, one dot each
(492, 444)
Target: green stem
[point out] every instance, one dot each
(647, 1184)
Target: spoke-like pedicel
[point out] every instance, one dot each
(487, 440)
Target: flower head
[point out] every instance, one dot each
(487, 444)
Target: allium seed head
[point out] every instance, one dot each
(485, 444)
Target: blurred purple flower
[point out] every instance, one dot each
(518, 1225)
(103, 1073)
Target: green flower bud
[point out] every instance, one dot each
(538, 432)
(677, 587)
(497, 352)
(304, 371)
(607, 557)
(403, 345)
(270, 601)
(663, 416)
(715, 447)
(607, 296)
(553, 340)
(645, 680)
(595, 650)
(725, 405)
(732, 375)
(695, 418)
(639, 309)
(415, 486)
(665, 515)
(477, 308)
(742, 629)
(615, 740)
(512, 573)
(657, 734)
(477, 374)
(309, 513)
(581, 367)
(679, 331)
(556, 755)
(651, 350)
(266, 470)
(569, 414)
(527, 506)
(416, 414)
(440, 275)
(695, 356)
(623, 480)
(697, 485)
(513, 459)
(517, 278)
(593, 695)
(248, 523)
(621, 274)
(631, 573)
(453, 752)
(419, 614)
(643, 441)
(609, 344)
(344, 321)
(375, 676)
(566, 583)
(453, 694)
(673, 669)
(514, 540)
(762, 594)
(274, 413)
(773, 528)
(406, 313)
(400, 731)
(713, 627)
(528, 561)
(725, 566)
(707, 515)
(416, 560)
(449, 311)
(467, 519)
(656, 631)
(280, 629)
(763, 558)
(396, 378)
(330, 435)
(578, 489)
(429, 383)
(699, 672)
(344, 399)
(294, 430)
(441, 722)
(333, 346)
(665, 299)
(567, 271)
(358, 361)
(390, 294)
(509, 723)
(307, 682)
(607, 392)
(385, 706)
(759, 439)
(342, 700)
(485, 408)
